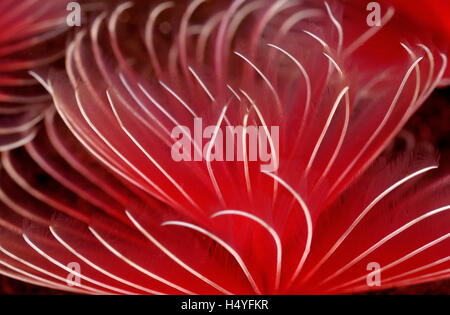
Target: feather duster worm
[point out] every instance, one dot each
(29, 37)
(99, 185)
(423, 18)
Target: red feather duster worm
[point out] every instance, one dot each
(132, 186)
(30, 38)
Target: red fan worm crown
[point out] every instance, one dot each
(229, 147)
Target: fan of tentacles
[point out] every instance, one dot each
(26, 26)
(229, 147)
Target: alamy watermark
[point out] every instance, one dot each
(231, 143)
(374, 17)
(74, 17)
(74, 277)
(373, 279)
